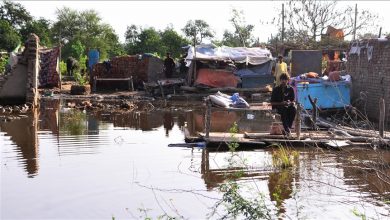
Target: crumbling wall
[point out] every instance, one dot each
(21, 85)
(369, 66)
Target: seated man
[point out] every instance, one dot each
(282, 99)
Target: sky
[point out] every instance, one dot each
(160, 14)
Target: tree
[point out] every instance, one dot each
(173, 42)
(150, 40)
(87, 28)
(198, 30)
(9, 37)
(41, 28)
(14, 13)
(242, 35)
(314, 16)
(132, 34)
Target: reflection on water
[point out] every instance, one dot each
(222, 121)
(94, 156)
(23, 133)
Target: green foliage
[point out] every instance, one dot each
(73, 122)
(173, 42)
(9, 37)
(77, 49)
(284, 157)
(14, 13)
(3, 63)
(85, 28)
(41, 28)
(81, 80)
(358, 214)
(233, 145)
(150, 40)
(237, 205)
(242, 35)
(63, 68)
(198, 30)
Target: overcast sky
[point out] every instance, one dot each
(160, 14)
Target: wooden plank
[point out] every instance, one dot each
(113, 79)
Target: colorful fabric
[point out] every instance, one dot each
(48, 73)
(216, 78)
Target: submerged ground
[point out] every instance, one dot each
(67, 163)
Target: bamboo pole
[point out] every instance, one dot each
(207, 119)
(381, 117)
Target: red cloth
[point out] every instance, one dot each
(216, 78)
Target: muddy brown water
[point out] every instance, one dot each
(61, 163)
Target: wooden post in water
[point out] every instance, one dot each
(298, 121)
(162, 94)
(314, 111)
(381, 117)
(207, 118)
(131, 83)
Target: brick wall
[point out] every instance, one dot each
(371, 78)
(32, 53)
(141, 69)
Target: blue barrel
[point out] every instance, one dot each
(93, 58)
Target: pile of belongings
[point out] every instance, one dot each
(227, 101)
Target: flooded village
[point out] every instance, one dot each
(173, 125)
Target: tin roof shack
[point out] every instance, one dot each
(221, 67)
(141, 68)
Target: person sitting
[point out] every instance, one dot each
(282, 99)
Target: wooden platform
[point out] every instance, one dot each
(129, 81)
(261, 140)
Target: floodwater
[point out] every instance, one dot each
(60, 163)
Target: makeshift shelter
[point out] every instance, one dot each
(212, 66)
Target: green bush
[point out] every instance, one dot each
(3, 63)
(63, 68)
(81, 80)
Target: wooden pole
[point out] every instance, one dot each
(381, 117)
(298, 121)
(162, 93)
(314, 111)
(380, 32)
(194, 60)
(207, 118)
(59, 62)
(131, 83)
(354, 26)
(282, 23)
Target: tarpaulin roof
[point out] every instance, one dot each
(254, 55)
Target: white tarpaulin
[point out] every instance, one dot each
(254, 55)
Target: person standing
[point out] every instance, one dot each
(282, 99)
(169, 66)
(280, 68)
